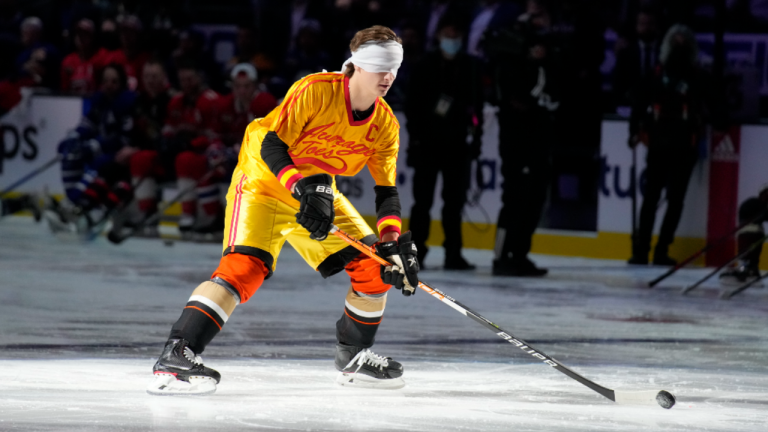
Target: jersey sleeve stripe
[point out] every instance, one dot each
(389, 224)
(289, 175)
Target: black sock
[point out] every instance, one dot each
(198, 324)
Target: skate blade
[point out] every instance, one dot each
(56, 225)
(168, 385)
(349, 379)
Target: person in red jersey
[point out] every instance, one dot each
(189, 131)
(79, 69)
(248, 101)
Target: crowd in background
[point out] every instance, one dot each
(165, 105)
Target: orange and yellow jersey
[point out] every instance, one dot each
(315, 120)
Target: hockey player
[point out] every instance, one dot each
(283, 189)
(94, 165)
(755, 211)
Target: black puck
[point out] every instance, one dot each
(665, 399)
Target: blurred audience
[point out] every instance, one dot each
(79, 69)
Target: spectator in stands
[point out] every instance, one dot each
(153, 162)
(131, 52)
(94, 157)
(636, 55)
(527, 88)
(307, 56)
(668, 113)
(39, 61)
(79, 69)
(190, 49)
(249, 100)
(190, 129)
(440, 109)
(36, 66)
(490, 14)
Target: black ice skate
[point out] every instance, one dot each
(179, 371)
(360, 367)
(740, 275)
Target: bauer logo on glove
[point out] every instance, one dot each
(403, 271)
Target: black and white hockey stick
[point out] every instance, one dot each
(117, 238)
(30, 175)
(703, 250)
(651, 397)
(726, 295)
(754, 246)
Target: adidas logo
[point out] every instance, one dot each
(725, 151)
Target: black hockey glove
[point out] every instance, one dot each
(403, 273)
(316, 214)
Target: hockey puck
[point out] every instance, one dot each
(665, 399)
(168, 243)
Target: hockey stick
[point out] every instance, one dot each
(701, 251)
(726, 295)
(664, 398)
(27, 177)
(116, 238)
(633, 184)
(754, 246)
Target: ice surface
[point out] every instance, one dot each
(82, 325)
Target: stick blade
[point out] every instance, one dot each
(662, 398)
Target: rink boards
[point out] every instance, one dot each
(729, 170)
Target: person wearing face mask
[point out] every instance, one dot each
(444, 112)
(527, 87)
(668, 114)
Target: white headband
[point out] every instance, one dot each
(376, 56)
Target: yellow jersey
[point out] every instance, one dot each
(315, 120)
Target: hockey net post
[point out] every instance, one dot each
(663, 398)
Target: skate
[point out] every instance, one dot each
(740, 275)
(522, 267)
(360, 367)
(70, 222)
(457, 262)
(179, 371)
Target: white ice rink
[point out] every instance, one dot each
(81, 326)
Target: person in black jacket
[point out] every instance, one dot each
(525, 69)
(443, 107)
(668, 112)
